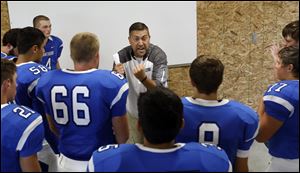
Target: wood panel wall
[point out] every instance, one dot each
(237, 33)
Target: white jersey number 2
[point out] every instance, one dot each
(77, 106)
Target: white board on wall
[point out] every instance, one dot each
(172, 25)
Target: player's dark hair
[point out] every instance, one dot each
(290, 55)
(8, 69)
(160, 115)
(29, 37)
(206, 72)
(37, 19)
(10, 37)
(292, 30)
(138, 26)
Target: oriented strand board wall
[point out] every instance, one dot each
(5, 26)
(237, 33)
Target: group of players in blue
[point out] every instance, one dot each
(77, 119)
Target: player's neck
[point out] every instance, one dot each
(47, 38)
(22, 58)
(291, 77)
(168, 145)
(211, 96)
(83, 67)
(3, 99)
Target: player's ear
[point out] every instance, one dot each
(6, 84)
(10, 47)
(290, 67)
(34, 48)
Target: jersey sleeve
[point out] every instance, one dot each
(250, 120)
(277, 104)
(37, 104)
(32, 138)
(39, 95)
(60, 48)
(118, 105)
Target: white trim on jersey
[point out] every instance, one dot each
(28, 131)
(123, 89)
(5, 55)
(209, 103)
(32, 86)
(280, 101)
(41, 100)
(78, 72)
(91, 165)
(30, 62)
(255, 134)
(4, 105)
(230, 166)
(242, 153)
(155, 150)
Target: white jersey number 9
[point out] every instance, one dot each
(211, 128)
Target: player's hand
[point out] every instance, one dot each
(119, 68)
(275, 48)
(139, 72)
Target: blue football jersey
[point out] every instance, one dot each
(3, 55)
(53, 49)
(228, 124)
(82, 105)
(27, 76)
(9, 57)
(282, 103)
(138, 158)
(22, 134)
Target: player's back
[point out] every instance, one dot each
(28, 75)
(282, 103)
(138, 158)
(22, 134)
(82, 105)
(228, 124)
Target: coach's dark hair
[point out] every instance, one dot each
(160, 115)
(292, 30)
(206, 72)
(138, 26)
(8, 69)
(290, 55)
(29, 37)
(10, 37)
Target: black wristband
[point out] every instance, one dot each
(144, 79)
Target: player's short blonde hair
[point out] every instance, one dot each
(84, 47)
